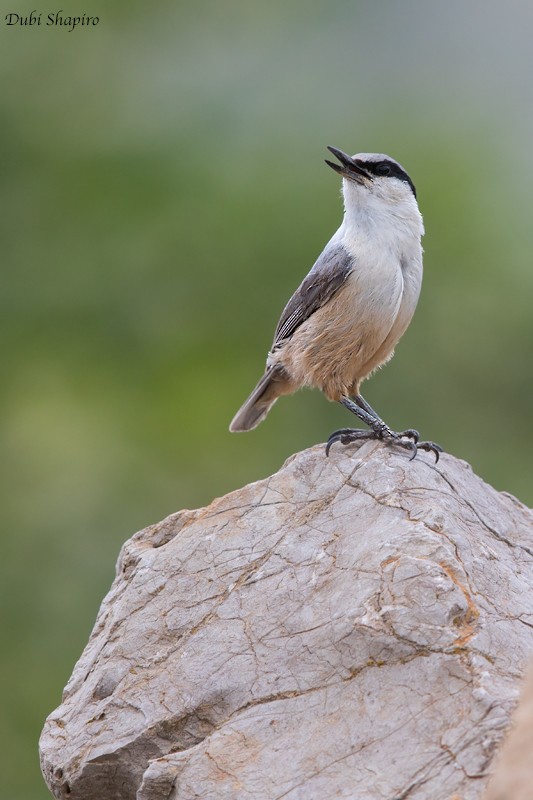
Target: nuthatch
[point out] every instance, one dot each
(348, 314)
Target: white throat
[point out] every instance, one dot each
(372, 215)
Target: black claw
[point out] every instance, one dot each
(331, 441)
(335, 437)
(431, 447)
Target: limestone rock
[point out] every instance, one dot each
(513, 769)
(351, 627)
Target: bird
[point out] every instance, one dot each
(345, 319)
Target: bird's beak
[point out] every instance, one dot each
(349, 167)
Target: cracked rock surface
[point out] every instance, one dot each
(351, 627)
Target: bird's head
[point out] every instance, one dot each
(374, 179)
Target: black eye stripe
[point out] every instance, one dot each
(393, 171)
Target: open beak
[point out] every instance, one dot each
(349, 167)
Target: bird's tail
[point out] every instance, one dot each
(257, 406)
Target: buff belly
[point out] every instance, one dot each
(345, 341)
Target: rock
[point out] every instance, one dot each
(513, 769)
(350, 627)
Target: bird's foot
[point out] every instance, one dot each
(408, 439)
(415, 444)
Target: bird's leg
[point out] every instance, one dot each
(378, 430)
(410, 433)
(366, 413)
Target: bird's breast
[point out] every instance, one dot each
(357, 329)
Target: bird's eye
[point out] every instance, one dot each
(383, 169)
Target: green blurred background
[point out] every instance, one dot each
(162, 193)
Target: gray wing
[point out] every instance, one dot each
(327, 276)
